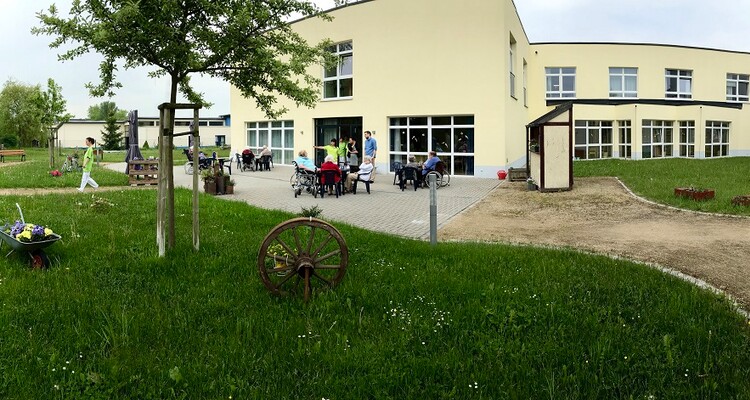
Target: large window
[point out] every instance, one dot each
(525, 78)
(337, 80)
(561, 82)
(626, 138)
(593, 139)
(277, 135)
(737, 85)
(512, 67)
(687, 138)
(623, 82)
(657, 139)
(452, 137)
(717, 138)
(678, 84)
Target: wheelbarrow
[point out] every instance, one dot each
(35, 250)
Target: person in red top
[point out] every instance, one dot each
(329, 165)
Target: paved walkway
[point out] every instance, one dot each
(386, 209)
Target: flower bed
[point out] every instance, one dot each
(743, 200)
(694, 193)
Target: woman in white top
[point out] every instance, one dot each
(365, 170)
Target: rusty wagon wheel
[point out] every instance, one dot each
(301, 253)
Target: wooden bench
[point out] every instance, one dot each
(19, 152)
(143, 172)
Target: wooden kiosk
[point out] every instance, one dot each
(549, 149)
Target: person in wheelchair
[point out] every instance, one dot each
(429, 165)
(305, 163)
(248, 158)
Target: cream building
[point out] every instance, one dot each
(462, 79)
(214, 131)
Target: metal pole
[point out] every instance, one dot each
(433, 209)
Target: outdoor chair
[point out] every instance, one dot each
(328, 181)
(410, 174)
(396, 168)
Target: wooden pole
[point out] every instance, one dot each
(196, 217)
(170, 179)
(160, 243)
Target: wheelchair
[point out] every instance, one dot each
(304, 180)
(248, 162)
(442, 177)
(202, 164)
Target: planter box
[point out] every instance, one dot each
(695, 194)
(209, 187)
(741, 200)
(229, 189)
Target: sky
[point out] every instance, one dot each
(718, 24)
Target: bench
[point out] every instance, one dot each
(19, 152)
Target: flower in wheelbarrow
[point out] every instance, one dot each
(30, 232)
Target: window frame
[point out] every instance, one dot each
(686, 139)
(665, 148)
(680, 76)
(625, 136)
(738, 80)
(283, 154)
(596, 127)
(717, 148)
(560, 73)
(340, 50)
(624, 74)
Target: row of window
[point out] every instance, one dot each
(623, 83)
(595, 139)
(277, 135)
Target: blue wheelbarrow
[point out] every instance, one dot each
(35, 249)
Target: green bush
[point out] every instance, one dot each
(9, 140)
(145, 145)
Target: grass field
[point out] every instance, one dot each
(111, 320)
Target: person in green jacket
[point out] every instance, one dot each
(343, 141)
(88, 163)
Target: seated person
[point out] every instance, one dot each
(364, 173)
(413, 163)
(247, 151)
(305, 163)
(265, 151)
(429, 165)
(329, 165)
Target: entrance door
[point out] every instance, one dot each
(334, 128)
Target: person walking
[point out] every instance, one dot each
(88, 164)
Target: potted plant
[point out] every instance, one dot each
(209, 181)
(531, 184)
(230, 186)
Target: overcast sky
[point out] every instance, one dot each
(719, 24)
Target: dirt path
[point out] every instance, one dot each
(599, 215)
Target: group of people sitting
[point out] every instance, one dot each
(363, 173)
(261, 160)
(424, 168)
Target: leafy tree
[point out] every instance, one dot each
(112, 133)
(101, 111)
(20, 112)
(245, 42)
(53, 113)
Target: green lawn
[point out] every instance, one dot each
(656, 179)
(110, 320)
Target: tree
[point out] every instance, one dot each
(101, 111)
(20, 112)
(245, 42)
(112, 133)
(53, 113)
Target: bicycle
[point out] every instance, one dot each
(70, 165)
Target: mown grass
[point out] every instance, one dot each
(657, 179)
(111, 320)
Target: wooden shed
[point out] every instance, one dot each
(549, 149)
